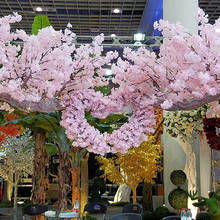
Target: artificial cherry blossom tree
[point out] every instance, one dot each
(51, 73)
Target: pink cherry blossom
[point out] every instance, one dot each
(51, 73)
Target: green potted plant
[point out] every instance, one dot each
(211, 203)
(178, 197)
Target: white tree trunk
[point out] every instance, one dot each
(190, 166)
(123, 194)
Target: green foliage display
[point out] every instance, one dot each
(6, 205)
(203, 216)
(49, 123)
(178, 198)
(147, 215)
(178, 177)
(108, 124)
(161, 212)
(211, 203)
(98, 188)
(89, 217)
(40, 21)
(158, 214)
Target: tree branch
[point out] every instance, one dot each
(190, 104)
(48, 105)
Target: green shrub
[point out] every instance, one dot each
(203, 216)
(89, 217)
(119, 203)
(178, 177)
(147, 215)
(6, 204)
(178, 199)
(161, 212)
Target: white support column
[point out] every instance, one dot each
(184, 12)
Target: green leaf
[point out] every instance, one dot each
(105, 90)
(51, 149)
(40, 21)
(199, 204)
(38, 122)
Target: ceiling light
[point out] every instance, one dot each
(116, 10)
(113, 35)
(38, 9)
(139, 37)
(217, 30)
(108, 72)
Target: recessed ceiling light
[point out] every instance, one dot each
(116, 10)
(113, 35)
(38, 9)
(217, 30)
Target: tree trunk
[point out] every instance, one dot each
(147, 197)
(123, 194)
(75, 184)
(8, 188)
(63, 180)
(84, 182)
(134, 197)
(39, 174)
(15, 198)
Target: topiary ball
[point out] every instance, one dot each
(178, 199)
(203, 216)
(178, 177)
(161, 212)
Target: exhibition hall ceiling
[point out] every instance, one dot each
(92, 17)
(88, 17)
(212, 8)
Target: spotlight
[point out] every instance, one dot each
(116, 11)
(38, 9)
(113, 35)
(139, 37)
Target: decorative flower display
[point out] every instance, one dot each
(211, 126)
(85, 135)
(184, 123)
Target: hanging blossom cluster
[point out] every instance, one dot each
(50, 73)
(85, 135)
